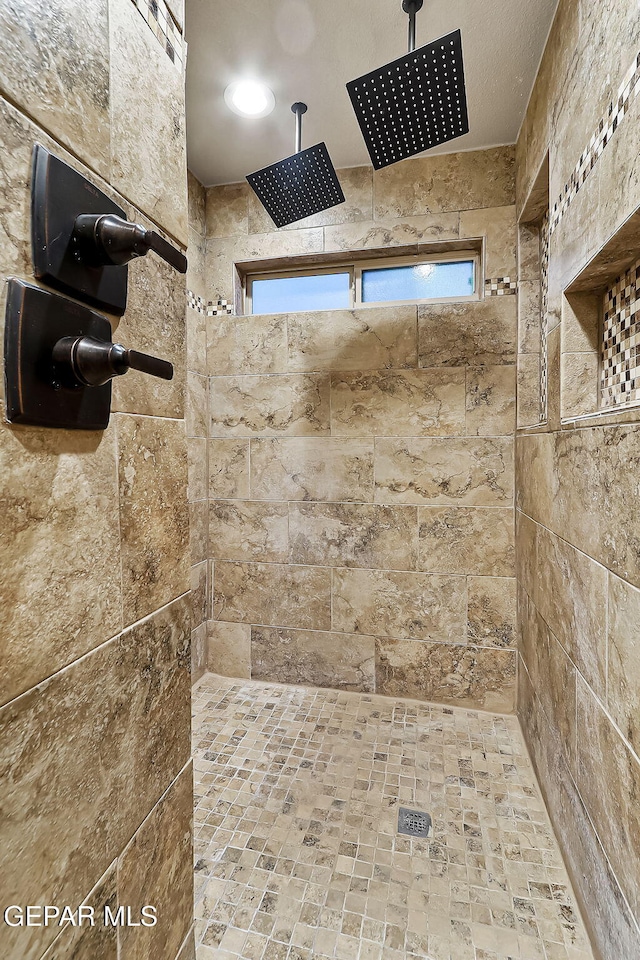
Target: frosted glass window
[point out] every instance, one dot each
(324, 291)
(423, 281)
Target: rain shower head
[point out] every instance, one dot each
(300, 185)
(414, 103)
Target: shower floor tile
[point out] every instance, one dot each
(296, 844)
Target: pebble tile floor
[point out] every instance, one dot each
(297, 850)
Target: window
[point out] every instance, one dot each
(365, 283)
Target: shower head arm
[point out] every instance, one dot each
(299, 109)
(411, 7)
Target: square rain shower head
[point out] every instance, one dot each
(414, 103)
(303, 184)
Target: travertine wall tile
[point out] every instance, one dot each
(56, 69)
(154, 523)
(196, 405)
(353, 534)
(227, 210)
(157, 868)
(498, 227)
(229, 469)
(412, 403)
(471, 333)
(491, 401)
(319, 659)
(249, 345)
(272, 593)
(491, 611)
(468, 472)
(198, 651)
(371, 338)
(448, 673)
(51, 739)
(385, 603)
(59, 548)
(250, 530)
(466, 540)
(390, 233)
(229, 649)
(148, 151)
(306, 468)
(91, 942)
(623, 658)
(197, 468)
(295, 406)
(199, 593)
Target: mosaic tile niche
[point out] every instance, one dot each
(620, 362)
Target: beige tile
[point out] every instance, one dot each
(307, 468)
(247, 345)
(357, 188)
(414, 605)
(154, 323)
(570, 591)
(468, 472)
(271, 593)
(491, 401)
(199, 531)
(528, 252)
(623, 675)
(579, 384)
(229, 649)
(198, 651)
(471, 333)
(156, 868)
(319, 659)
(411, 403)
(199, 593)
(197, 197)
(529, 316)
(491, 613)
(197, 340)
(466, 540)
(95, 740)
(296, 405)
(148, 148)
(188, 950)
(56, 69)
(60, 593)
(377, 235)
(197, 468)
(370, 338)
(528, 390)
(249, 530)
(227, 210)
(436, 184)
(196, 405)
(498, 227)
(608, 780)
(88, 941)
(354, 535)
(228, 469)
(154, 521)
(460, 675)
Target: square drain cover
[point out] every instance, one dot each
(415, 823)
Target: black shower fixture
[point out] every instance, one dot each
(301, 185)
(414, 103)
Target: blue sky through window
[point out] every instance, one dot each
(325, 291)
(424, 281)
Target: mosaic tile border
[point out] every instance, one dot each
(618, 109)
(196, 303)
(159, 19)
(500, 286)
(545, 236)
(620, 345)
(211, 308)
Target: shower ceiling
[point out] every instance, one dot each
(310, 50)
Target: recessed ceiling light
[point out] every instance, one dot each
(249, 98)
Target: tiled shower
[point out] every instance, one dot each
(385, 557)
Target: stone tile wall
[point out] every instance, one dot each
(95, 775)
(361, 461)
(577, 477)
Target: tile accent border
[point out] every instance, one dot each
(158, 18)
(500, 286)
(196, 303)
(217, 308)
(618, 109)
(545, 236)
(620, 345)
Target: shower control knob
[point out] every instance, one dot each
(88, 362)
(108, 240)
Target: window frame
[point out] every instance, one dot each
(355, 269)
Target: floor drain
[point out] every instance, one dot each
(414, 823)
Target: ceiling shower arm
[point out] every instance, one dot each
(299, 109)
(411, 7)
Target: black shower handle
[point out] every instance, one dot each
(93, 363)
(108, 240)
